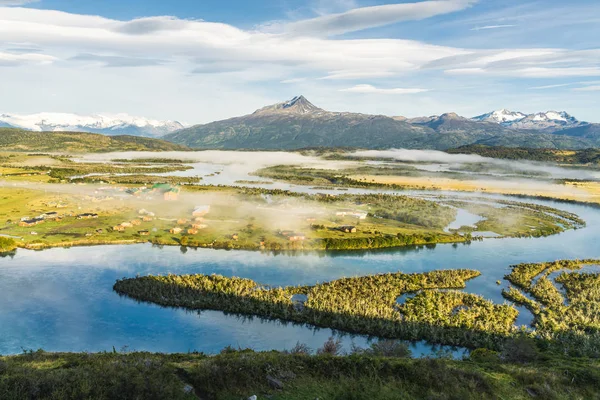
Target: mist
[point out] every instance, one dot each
(453, 162)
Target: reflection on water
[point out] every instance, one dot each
(62, 299)
(464, 218)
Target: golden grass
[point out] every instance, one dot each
(580, 191)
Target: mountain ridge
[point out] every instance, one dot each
(107, 124)
(543, 121)
(298, 123)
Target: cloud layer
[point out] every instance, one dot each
(205, 61)
(374, 90)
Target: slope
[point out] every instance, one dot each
(12, 139)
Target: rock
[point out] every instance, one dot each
(188, 389)
(531, 392)
(275, 383)
(253, 397)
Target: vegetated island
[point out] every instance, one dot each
(249, 218)
(406, 306)
(367, 305)
(565, 304)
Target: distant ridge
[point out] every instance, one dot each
(106, 124)
(298, 123)
(14, 139)
(544, 121)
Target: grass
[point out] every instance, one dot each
(234, 375)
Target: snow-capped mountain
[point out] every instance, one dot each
(503, 116)
(117, 124)
(299, 105)
(547, 121)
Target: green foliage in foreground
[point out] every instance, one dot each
(241, 374)
(366, 305)
(22, 140)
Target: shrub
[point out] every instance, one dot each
(7, 244)
(521, 349)
(300, 348)
(484, 355)
(331, 346)
(390, 348)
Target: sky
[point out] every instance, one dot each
(200, 61)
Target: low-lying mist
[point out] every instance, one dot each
(497, 167)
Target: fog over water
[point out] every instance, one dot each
(456, 160)
(62, 299)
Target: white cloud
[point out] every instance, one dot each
(371, 17)
(15, 59)
(205, 43)
(293, 80)
(595, 88)
(16, 2)
(374, 90)
(486, 27)
(72, 52)
(529, 72)
(550, 86)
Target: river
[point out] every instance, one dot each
(62, 299)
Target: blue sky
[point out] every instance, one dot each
(198, 61)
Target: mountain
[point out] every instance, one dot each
(550, 121)
(119, 124)
(452, 130)
(504, 117)
(14, 139)
(298, 123)
(589, 131)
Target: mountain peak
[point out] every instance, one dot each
(450, 115)
(502, 116)
(297, 105)
(547, 121)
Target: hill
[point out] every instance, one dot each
(383, 371)
(12, 139)
(590, 132)
(297, 124)
(587, 156)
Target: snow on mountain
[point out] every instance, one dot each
(501, 116)
(298, 105)
(548, 121)
(117, 124)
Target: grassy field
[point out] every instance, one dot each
(236, 220)
(234, 375)
(254, 219)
